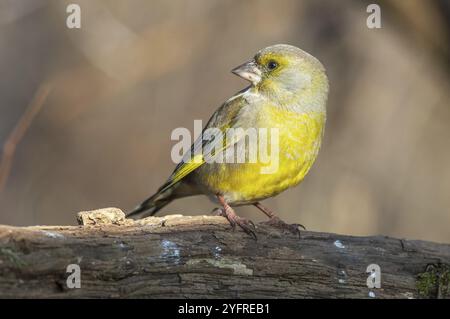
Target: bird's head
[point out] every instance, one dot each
(285, 72)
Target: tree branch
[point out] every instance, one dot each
(200, 256)
(19, 131)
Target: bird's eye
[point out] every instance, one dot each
(272, 65)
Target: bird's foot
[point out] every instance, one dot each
(247, 225)
(276, 222)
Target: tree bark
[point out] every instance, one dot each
(201, 257)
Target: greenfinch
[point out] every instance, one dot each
(288, 92)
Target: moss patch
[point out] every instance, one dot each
(434, 282)
(12, 257)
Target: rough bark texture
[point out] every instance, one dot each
(200, 257)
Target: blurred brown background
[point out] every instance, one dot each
(106, 98)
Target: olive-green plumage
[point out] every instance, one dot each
(288, 91)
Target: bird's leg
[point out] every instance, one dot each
(247, 225)
(275, 221)
(265, 210)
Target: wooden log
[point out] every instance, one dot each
(201, 257)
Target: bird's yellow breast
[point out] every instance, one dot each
(299, 138)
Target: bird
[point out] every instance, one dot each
(288, 92)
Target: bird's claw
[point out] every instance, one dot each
(218, 212)
(247, 225)
(278, 223)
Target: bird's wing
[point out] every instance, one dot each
(225, 117)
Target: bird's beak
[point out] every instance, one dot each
(248, 71)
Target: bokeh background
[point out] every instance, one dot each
(86, 115)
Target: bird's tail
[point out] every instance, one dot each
(151, 205)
